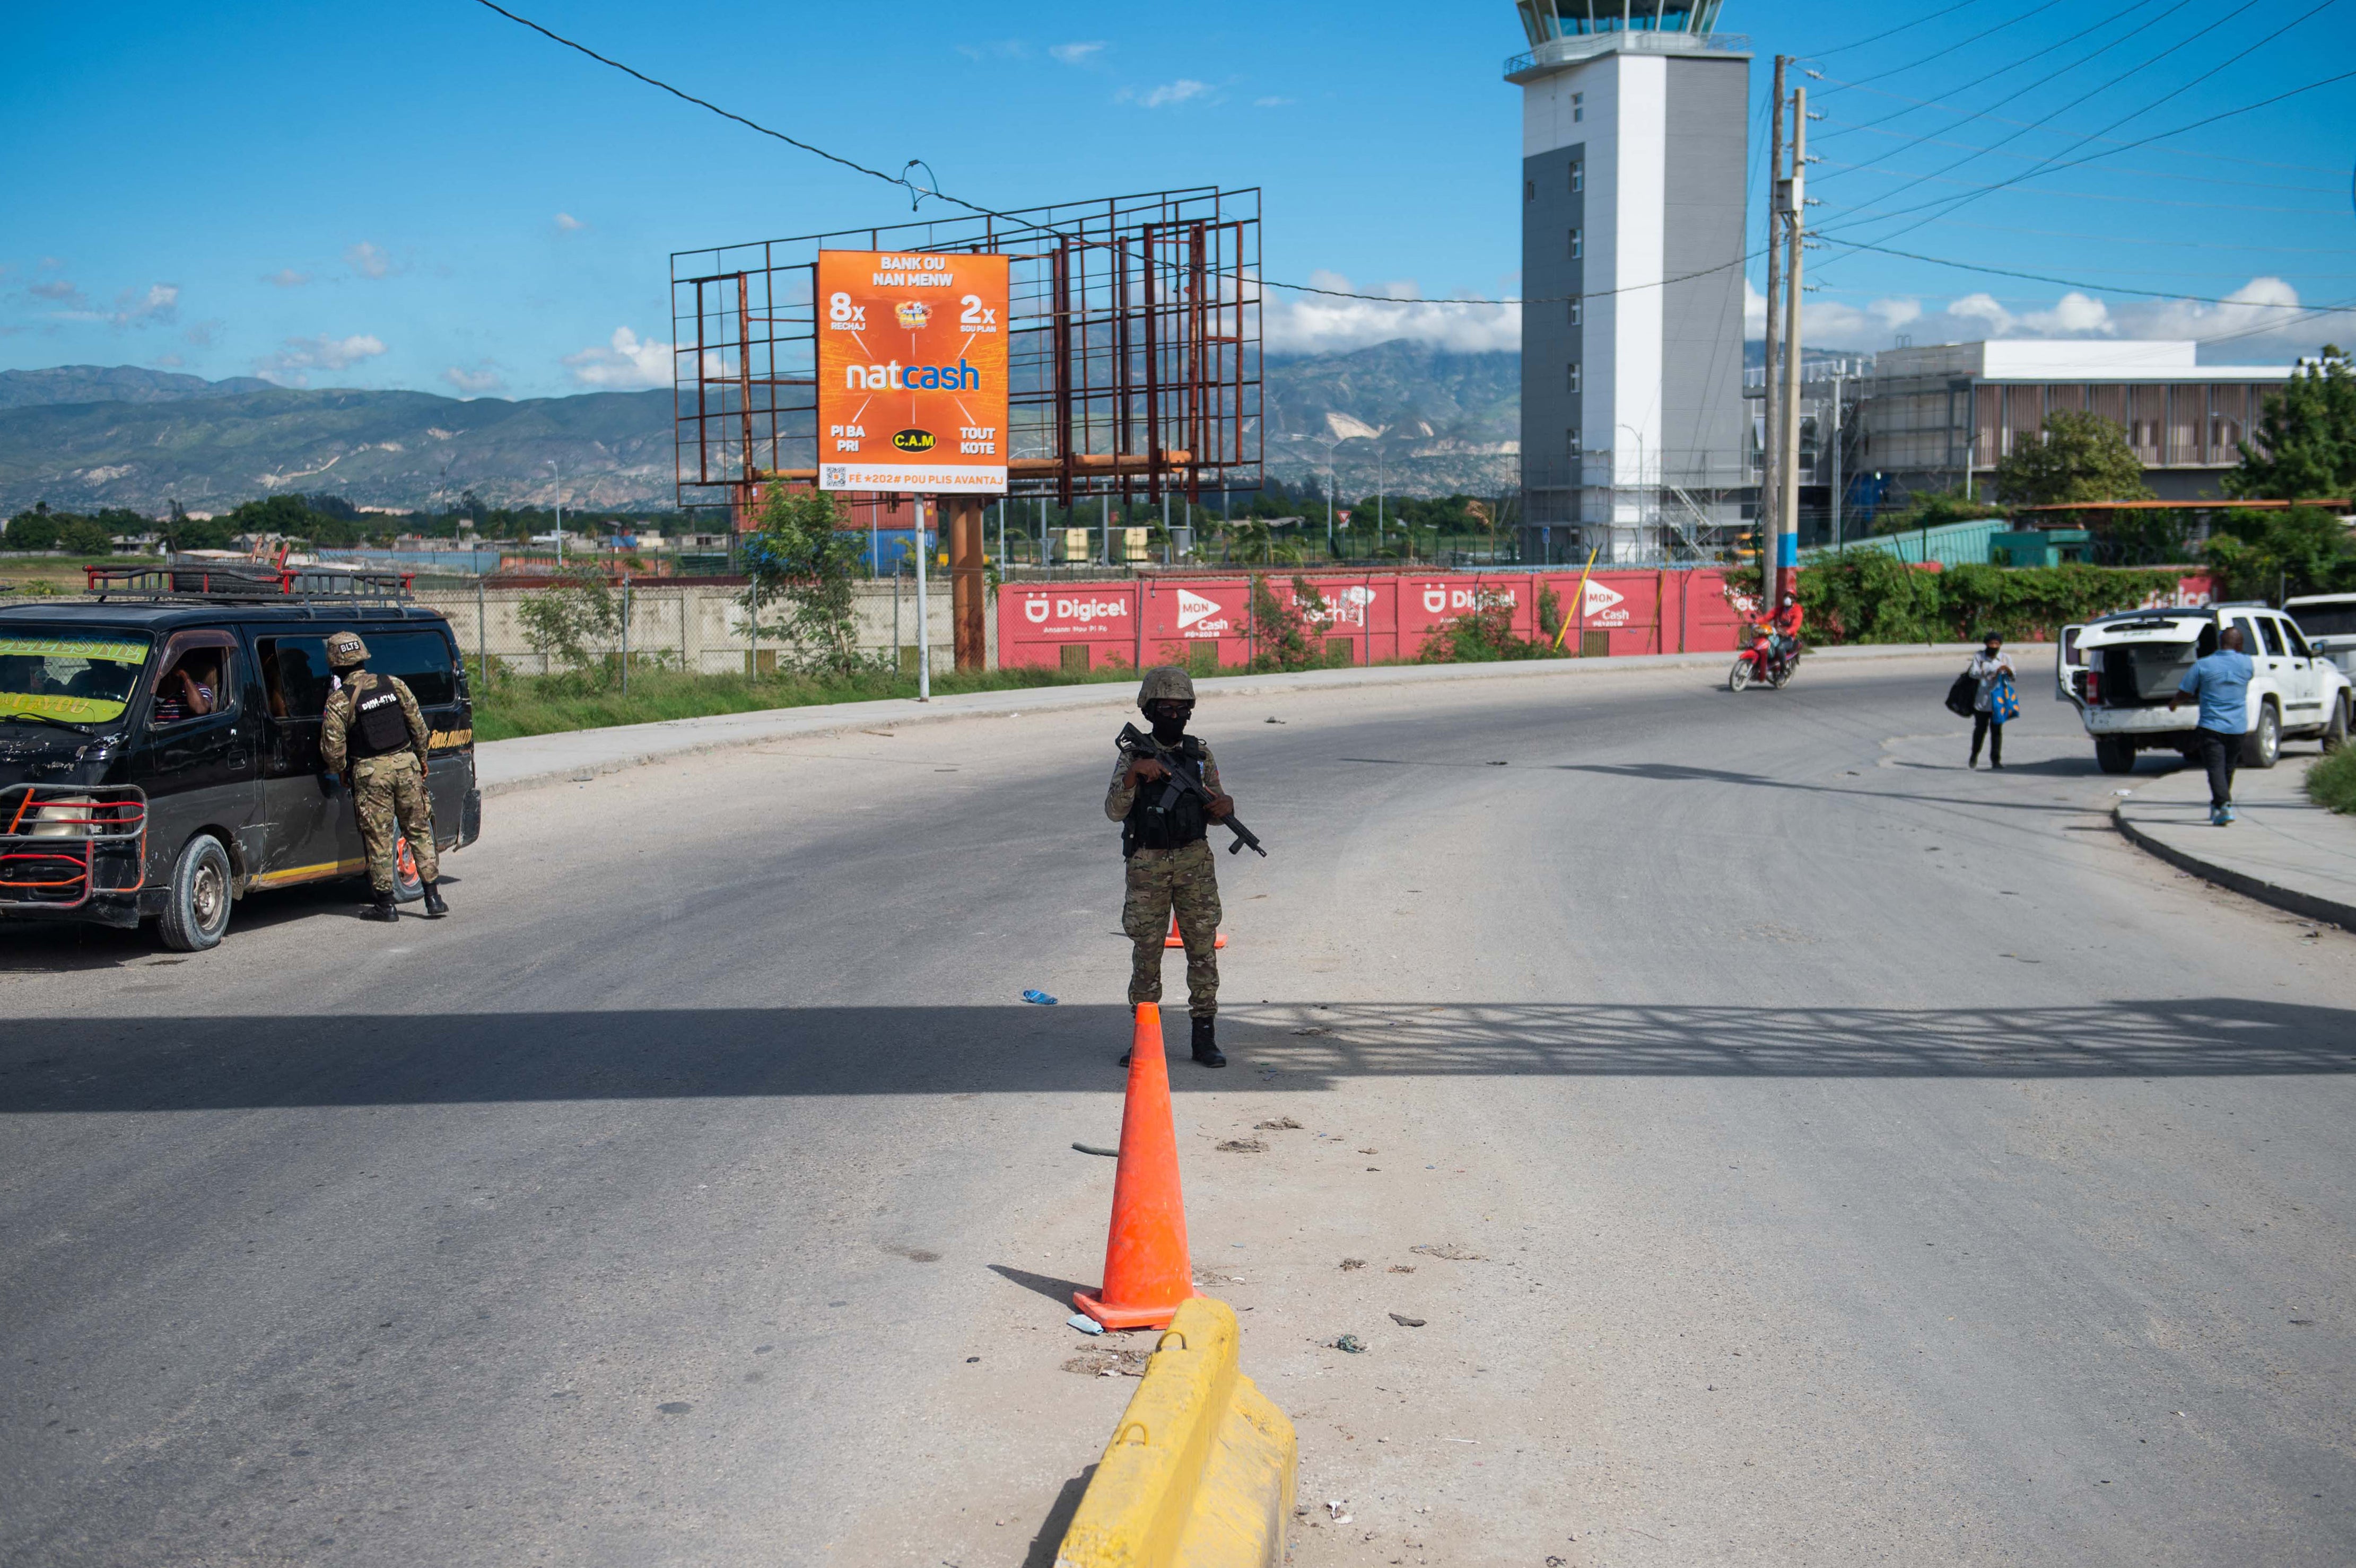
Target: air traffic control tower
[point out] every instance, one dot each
(1634, 133)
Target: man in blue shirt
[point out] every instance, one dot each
(2221, 682)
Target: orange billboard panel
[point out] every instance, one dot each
(912, 372)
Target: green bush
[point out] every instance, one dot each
(2332, 783)
(1865, 597)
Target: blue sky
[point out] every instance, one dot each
(427, 196)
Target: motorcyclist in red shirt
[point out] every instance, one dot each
(1783, 629)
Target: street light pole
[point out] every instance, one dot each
(560, 511)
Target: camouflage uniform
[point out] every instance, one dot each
(388, 788)
(1184, 880)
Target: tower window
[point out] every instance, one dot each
(1571, 379)
(1578, 106)
(1578, 175)
(1578, 312)
(1529, 190)
(1570, 443)
(1578, 243)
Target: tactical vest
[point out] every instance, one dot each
(1148, 827)
(378, 724)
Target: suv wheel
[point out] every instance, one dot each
(2115, 754)
(2262, 746)
(196, 908)
(2335, 734)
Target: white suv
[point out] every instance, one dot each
(2121, 670)
(2329, 620)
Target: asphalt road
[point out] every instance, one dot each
(1846, 1158)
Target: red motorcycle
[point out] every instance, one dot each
(1760, 663)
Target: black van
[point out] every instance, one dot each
(125, 796)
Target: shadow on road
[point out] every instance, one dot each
(104, 1064)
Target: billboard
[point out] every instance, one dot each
(912, 372)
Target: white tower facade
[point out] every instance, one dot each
(1634, 129)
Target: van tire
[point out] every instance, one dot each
(197, 904)
(2335, 734)
(2115, 755)
(2261, 746)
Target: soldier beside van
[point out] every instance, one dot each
(372, 730)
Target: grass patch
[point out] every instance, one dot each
(2332, 783)
(547, 705)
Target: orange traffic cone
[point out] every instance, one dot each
(1147, 1272)
(1175, 940)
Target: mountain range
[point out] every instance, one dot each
(83, 436)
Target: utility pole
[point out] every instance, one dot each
(1769, 512)
(560, 514)
(1795, 204)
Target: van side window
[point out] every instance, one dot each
(2299, 648)
(2272, 629)
(196, 684)
(295, 675)
(420, 660)
(2250, 643)
(2207, 644)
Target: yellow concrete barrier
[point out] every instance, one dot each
(1199, 1471)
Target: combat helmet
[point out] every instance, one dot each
(346, 651)
(1165, 681)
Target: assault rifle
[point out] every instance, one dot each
(1182, 781)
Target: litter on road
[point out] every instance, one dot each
(1091, 1148)
(1084, 1323)
(1039, 998)
(1406, 1322)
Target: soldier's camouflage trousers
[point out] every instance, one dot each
(1185, 881)
(385, 791)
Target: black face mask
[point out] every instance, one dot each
(1168, 723)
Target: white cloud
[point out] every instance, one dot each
(58, 292)
(476, 382)
(1272, 102)
(292, 365)
(158, 303)
(629, 362)
(568, 224)
(2259, 320)
(167, 361)
(1320, 324)
(1183, 90)
(368, 260)
(286, 278)
(1076, 54)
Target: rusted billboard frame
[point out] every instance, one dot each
(1134, 382)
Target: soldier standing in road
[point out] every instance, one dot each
(372, 729)
(1169, 868)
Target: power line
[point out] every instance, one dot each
(2146, 173)
(1902, 26)
(2002, 119)
(2050, 161)
(2124, 17)
(2064, 283)
(1975, 38)
(2084, 195)
(2098, 91)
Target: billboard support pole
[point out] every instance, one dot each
(969, 580)
(924, 603)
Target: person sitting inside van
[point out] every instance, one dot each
(188, 691)
(104, 680)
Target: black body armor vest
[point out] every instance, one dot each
(1148, 826)
(378, 725)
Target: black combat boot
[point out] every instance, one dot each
(1207, 1044)
(382, 908)
(434, 908)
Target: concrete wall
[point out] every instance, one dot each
(702, 627)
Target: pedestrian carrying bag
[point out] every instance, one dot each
(1963, 694)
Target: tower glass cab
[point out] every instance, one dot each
(1634, 132)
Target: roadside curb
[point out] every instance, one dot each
(2306, 905)
(579, 756)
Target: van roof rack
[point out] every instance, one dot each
(250, 582)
